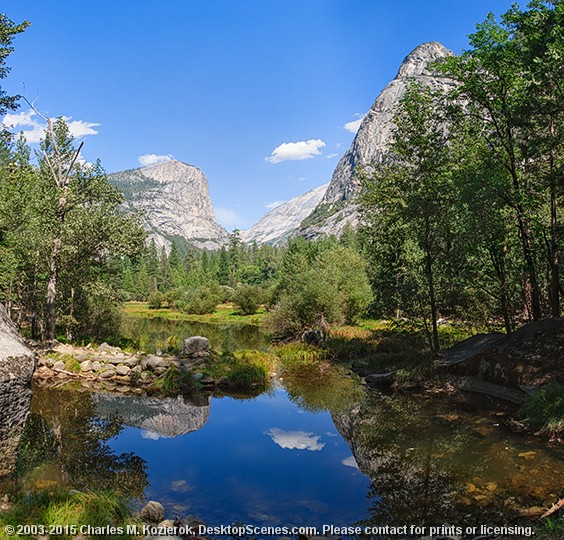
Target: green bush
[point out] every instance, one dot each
(156, 300)
(248, 298)
(201, 300)
(325, 283)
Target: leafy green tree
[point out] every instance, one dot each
(414, 190)
(8, 31)
(489, 87)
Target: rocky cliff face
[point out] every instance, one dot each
(174, 200)
(371, 143)
(283, 221)
(17, 364)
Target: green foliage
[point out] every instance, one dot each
(544, 410)
(201, 300)
(248, 298)
(62, 508)
(175, 381)
(156, 300)
(322, 282)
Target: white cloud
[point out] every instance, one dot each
(350, 462)
(35, 127)
(332, 155)
(353, 125)
(150, 159)
(293, 151)
(228, 218)
(274, 204)
(80, 128)
(295, 440)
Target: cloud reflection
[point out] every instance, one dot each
(295, 440)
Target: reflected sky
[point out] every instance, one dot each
(260, 461)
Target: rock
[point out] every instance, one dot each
(107, 373)
(174, 200)
(122, 370)
(154, 362)
(97, 366)
(86, 366)
(371, 143)
(17, 364)
(194, 345)
(380, 378)
(527, 358)
(104, 347)
(153, 511)
(314, 337)
(136, 369)
(166, 524)
(224, 381)
(59, 366)
(131, 362)
(279, 224)
(160, 370)
(207, 381)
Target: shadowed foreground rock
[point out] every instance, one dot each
(530, 357)
(17, 364)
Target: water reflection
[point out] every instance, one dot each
(431, 465)
(65, 443)
(154, 334)
(157, 416)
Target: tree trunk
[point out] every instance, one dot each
(554, 262)
(52, 292)
(431, 284)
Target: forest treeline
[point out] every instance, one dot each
(463, 220)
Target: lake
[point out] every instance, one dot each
(306, 452)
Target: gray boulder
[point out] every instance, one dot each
(17, 364)
(196, 346)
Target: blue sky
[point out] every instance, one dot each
(222, 84)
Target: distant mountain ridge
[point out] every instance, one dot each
(338, 206)
(278, 225)
(174, 201)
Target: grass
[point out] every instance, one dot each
(224, 314)
(247, 370)
(544, 411)
(175, 381)
(71, 363)
(67, 509)
(551, 529)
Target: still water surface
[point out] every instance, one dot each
(309, 451)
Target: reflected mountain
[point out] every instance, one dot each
(157, 416)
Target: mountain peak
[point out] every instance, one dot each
(174, 201)
(416, 63)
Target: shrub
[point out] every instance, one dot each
(174, 381)
(321, 283)
(248, 298)
(201, 300)
(156, 300)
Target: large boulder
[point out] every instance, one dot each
(196, 346)
(17, 364)
(530, 357)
